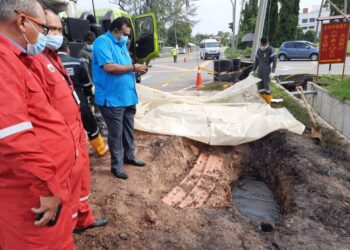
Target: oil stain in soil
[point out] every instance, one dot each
(254, 200)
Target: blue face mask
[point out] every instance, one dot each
(38, 47)
(89, 47)
(54, 42)
(123, 41)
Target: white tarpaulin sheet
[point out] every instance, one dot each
(231, 117)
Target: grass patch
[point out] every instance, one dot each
(336, 86)
(288, 102)
(215, 86)
(329, 136)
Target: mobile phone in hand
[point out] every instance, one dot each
(51, 223)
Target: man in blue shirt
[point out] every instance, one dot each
(115, 92)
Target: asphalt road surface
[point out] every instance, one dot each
(169, 76)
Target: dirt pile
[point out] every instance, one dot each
(311, 185)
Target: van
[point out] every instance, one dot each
(209, 48)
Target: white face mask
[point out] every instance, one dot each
(264, 47)
(54, 42)
(39, 46)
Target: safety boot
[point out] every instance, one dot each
(99, 145)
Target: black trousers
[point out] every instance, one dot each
(88, 118)
(120, 123)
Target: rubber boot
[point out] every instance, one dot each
(267, 98)
(99, 145)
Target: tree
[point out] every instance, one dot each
(340, 5)
(168, 13)
(248, 21)
(183, 34)
(199, 37)
(271, 22)
(288, 20)
(310, 36)
(300, 34)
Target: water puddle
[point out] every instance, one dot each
(255, 201)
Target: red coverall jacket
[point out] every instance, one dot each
(56, 83)
(37, 153)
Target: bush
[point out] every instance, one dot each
(247, 52)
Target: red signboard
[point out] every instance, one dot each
(334, 43)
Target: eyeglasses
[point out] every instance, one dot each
(44, 28)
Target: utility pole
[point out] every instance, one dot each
(346, 6)
(318, 24)
(234, 4)
(240, 22)
(259, 27)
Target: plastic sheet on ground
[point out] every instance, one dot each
(232, 117)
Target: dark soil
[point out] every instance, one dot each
(311, 184)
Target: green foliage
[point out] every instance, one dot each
(300, 34)
(340, 5)
(169, 13)
(247, 52)
(310, 36)
(288, 20)
(183, 34)
(230, 55)
(288, 102)
(270, 28)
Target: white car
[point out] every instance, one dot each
(209, 48)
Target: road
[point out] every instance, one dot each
(169, 76)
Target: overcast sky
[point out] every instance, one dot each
(213, 15)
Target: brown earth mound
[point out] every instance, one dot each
(310, 182)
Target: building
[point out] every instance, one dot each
(308, 18)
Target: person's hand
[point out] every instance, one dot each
(48, 207)
(141, 69)
(272, 75)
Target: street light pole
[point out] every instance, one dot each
(93, 7)
(259, 27)
(234, 4)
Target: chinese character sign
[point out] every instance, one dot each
(334, 42)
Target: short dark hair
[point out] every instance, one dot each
(89, 36)
(119, 22)
(264, 40)
(64, 46)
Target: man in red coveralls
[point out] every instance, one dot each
(58, 86)
(36, 146)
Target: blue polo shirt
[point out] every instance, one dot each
(110, 89)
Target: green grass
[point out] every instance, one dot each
(214, 86)
(329, 136)
(288, 102)
(336, 86)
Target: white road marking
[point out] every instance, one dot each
(145, 77)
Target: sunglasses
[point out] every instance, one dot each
(44, 28)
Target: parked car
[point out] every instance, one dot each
(182, 50)
(298, 50)
(209, 48)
